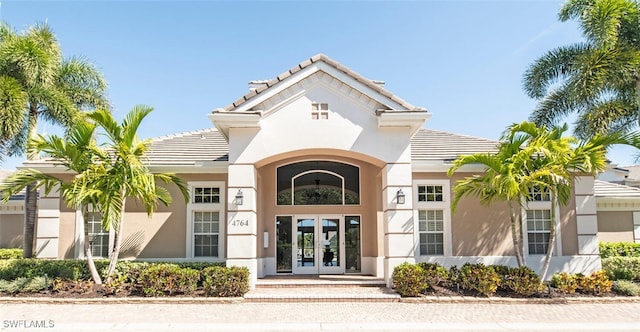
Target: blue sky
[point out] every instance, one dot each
(462, 60)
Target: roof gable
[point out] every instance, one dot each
(323, 63)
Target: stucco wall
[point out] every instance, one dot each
(164, 235)
(11, 229)
(615, 226)
(161, 236)
(480, 230)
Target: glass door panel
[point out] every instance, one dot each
(284, 245)
(306, 245)
(352, 244)
(318, 245)
(331, 241)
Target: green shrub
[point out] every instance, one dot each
(163, 279)
(435, 274)
(11, 253)
(626, 287)
(73, 269)
(565, 282)
(24, 285)
(617, 249)
(222, 281)
(522, 281)
(626, 268)
(409, 279)
(478, 277)
(596, 283)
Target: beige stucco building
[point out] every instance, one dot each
(322, 171)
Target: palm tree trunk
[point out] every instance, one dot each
(113, 258)
(638, 97)
(30, 215)
(31, 195)
(516, 234)
(552, 240)
(87, 248)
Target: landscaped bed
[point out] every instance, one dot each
(71, 278)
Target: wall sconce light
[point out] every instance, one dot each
(400, 196)
(239, 197)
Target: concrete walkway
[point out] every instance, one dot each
(243, 316)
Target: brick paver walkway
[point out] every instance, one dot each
(323, 316)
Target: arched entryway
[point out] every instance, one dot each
(320, 215)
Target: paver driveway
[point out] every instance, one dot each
(320, 317)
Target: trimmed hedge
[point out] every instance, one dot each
(10, 253)
(77, 269)
(225, 281)
(625, 268)
(617, 249)
(167, 279)
(74, 269)
(409, 279)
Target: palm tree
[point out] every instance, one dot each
(78, 153)
(598, 79)
(36, 82)
(126, 174)
(531, 157)
(509, 176)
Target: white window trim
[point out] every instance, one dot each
(204, 207)
(79, 248)
(445, 206)
(540, 205)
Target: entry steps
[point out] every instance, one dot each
(321, 288)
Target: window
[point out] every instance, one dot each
(206, 232)
(433, 215)
(538, 222)
(430, 194)
(98, 237)
(206, 195)
(205, 221)
(431, 228)
(319, 111)
(318, 183)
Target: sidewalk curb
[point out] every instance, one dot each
(122, 300)
(235, 300)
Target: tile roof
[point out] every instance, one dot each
(306, 63)
(207, 145)
(434, 145)
(189, 148)
(608, 189)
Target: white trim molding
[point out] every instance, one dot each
(444, 205)
(206, 207)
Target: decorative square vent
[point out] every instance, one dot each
(319, 111)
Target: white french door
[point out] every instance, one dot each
(318, 244)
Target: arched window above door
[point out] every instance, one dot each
(318, 183)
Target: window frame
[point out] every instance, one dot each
(540, 205)
(108, 234)
(444, 206)
(193, 207)
(79, 248)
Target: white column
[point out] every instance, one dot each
(242, 229)
(636, 226)
(586, 217)
(48, 225)
(399, 238)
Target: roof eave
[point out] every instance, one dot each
(414, 119)
(224, 120)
